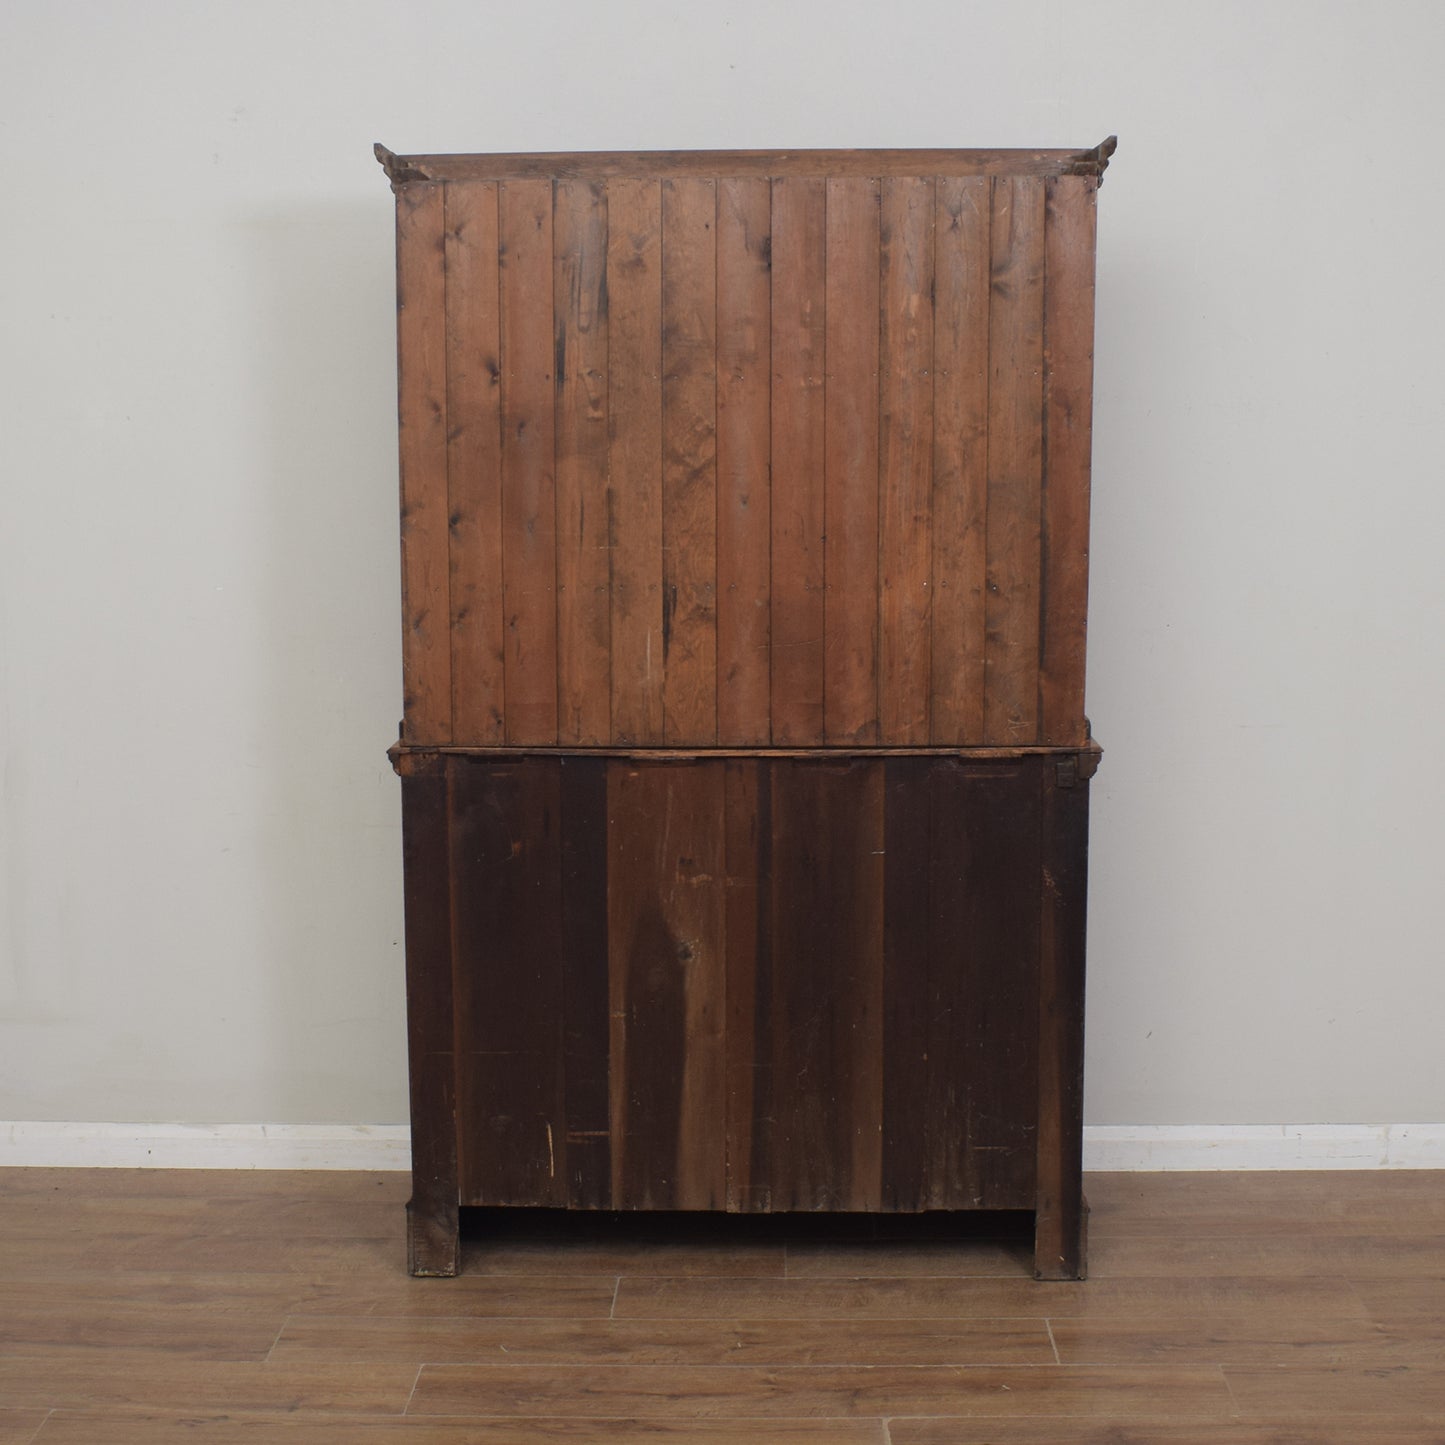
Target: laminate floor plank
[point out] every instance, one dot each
(934, 1298)
(1280, 1395)
(670, 1342)
(748, 1391)
(1396, 1255)
(540, 1260)
(1419, 1302)
(20, 1427)
(132, 1378)
(192, 1331)
(1158, 1431)
(890, 1259)
(67, 1427)
(1246, 1340)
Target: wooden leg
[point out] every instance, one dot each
(432, 1214)
(1060, 1217)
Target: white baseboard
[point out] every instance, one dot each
(206, 1146)
(1264, 1146)
(1144, 1147)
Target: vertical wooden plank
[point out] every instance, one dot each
(634, 420)
(1015, 461)
(667, 967)
(850, 664)
(983, 1046)
(827, 952)
(584, 605)
(1068, 393)
(474, 467)
(799, 259)
(422, 408)
(507, 933)
(908, 966)
(747, 1023)
(744, 362)
(432, 1218)
(960, 457)
(689, 460)
(585, 1000)
(1059, 1208)
(906, 445)
(529, 504)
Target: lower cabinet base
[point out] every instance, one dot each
(754, 984)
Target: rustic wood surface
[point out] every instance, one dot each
(697, 454)
(145, 1307)
(786, 983)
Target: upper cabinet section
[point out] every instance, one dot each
(745, 450)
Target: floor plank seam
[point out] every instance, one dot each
(616, 1289)
(41, 1426)
(1053, 1343)
(406, 1408)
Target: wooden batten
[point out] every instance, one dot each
(746, 448)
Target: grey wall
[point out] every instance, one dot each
(201, 860)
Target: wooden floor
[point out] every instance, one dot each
(148, 1307)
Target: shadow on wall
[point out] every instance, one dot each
(324, 349)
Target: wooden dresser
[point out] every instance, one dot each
(744, 763)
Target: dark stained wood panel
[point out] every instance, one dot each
(799, 261)
(1068, 390)
(422, 423)
(474, 445)
(586, 1002)
(744, 515)
(508, 976)
(689, 460)
(905, 525)
(827, 968)
(529, 507)
(1015, 462)
(850, 620)
(584, 571)
(666, 874)
(960, 457)
(634, 380)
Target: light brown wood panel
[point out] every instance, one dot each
(960, 457)
(798, 261)
(422, 422)
(563, 1343)
(905, 520)
(634, 380)
(136, 1379)
(1161, 1426)
(665, 869)
(1277, 1300)
(474, 442)
(1068, 393)
(584, 572)
(645, 1391)
(1319, 1394)
(1015, 462)
(689, 460)
(744, 518)
(88, 1427)
(529, 503)
(850, 705)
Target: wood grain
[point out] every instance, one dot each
(584, 604)
(634, 379)
(905, 523)
(960, 457)
(474, 461)
(1068, 392)
(422, 422)
(529, 502)
(799, 336)
(1015, 462)
(665, 867)
(744, 514)
(851, 467)
(689, 460)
